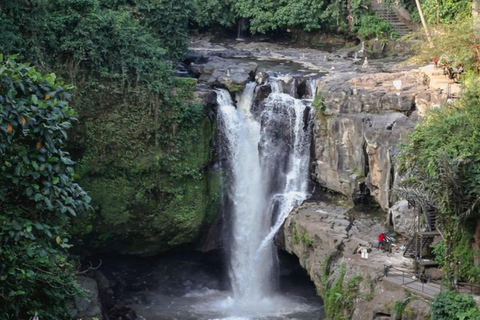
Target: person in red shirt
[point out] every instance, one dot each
(381, 240)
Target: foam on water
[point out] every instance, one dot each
(257, 214)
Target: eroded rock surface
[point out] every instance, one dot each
(317, 232)
(402, 216)
(358, 131)
(87, 307)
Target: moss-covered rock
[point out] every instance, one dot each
(145, 163)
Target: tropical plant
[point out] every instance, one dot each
(372, 26)
(454, 306)
(270, 15)
(442, 163)
(38, 195)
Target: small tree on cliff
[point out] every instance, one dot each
(38, 197)
(442, 161)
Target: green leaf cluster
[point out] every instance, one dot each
(338, 296)
(272, 15)
(446, 11)
(372, 26)
(454, 306)
(463, 254)
(442, 161)
(130, 42)
(38, 195)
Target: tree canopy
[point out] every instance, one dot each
(270, 15)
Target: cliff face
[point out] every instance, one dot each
(324, 237)
(360, 122)
(359, 127)
(148, 166)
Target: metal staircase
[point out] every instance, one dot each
(422, 239)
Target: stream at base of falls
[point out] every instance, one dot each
(191, 285)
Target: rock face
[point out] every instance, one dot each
(324, 236)
(150, 173)
(357, 133)
(89, 307)
(402, 217)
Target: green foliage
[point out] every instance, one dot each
(306, 239)
(445, 11)
(272, 15)
(443, 162)
(454, 42)
(38, 196)
(398, 308)
(372, 26)
(319, 103)
(338, 298)
(452, 306)
(464, 254)
(296, 238)
(130, 42)
(214, 12)
(142, 143)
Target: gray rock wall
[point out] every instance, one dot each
(317, 231)
(358, 132)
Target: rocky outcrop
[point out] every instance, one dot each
(324, 236)
(223, 73)
(361, 123)
(402, 217)
(88, 307)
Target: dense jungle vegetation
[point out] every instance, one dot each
(98, 89)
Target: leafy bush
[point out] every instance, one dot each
(38, 196)
(443, 163)
(142, 143)
(455, 41)
(447, 10)
(338, 297)
(374, 26)
(271, 15)
(306, 239)
(451, 306)
(128, 41)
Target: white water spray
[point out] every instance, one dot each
(262, 193)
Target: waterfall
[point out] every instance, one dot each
(268, 167)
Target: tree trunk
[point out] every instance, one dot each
(420, 12)
(476, 17)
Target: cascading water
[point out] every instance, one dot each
(268, 164)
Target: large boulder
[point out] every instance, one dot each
(402, 216)
(88, 307)
(148, 167)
